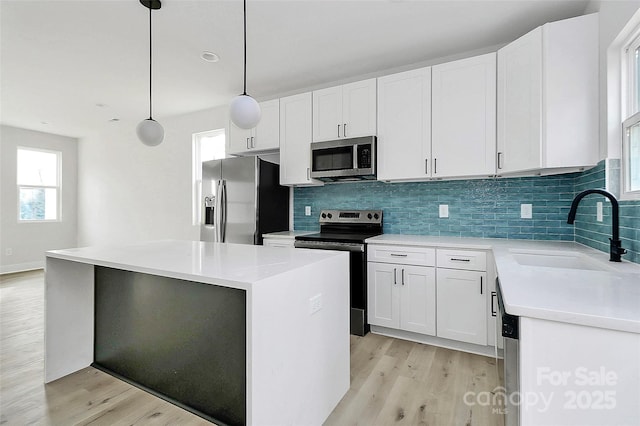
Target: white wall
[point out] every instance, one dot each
(130, 192)
(29, 241)
(613, 17)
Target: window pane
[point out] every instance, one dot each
(212, 147)
(38, 203)
(636, 83)
(37, 167)
(633, 160)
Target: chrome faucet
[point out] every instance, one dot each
(615, 246)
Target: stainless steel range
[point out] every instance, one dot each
(347, 230)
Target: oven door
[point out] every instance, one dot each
(357, 279)
(511, 335)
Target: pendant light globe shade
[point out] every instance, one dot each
(245, 112)
(150, 132)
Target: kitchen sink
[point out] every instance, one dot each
(557, 259)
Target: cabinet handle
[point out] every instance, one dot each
(253, 145)
(394, 276)
(402, 272)
(338, 130)
(499, 162)
(344, 130)
(481, 285)
(248, 143)
(397, 255)
(426, 166)
(308, 174)
(493, 307)
(455, 259)
(435, 166)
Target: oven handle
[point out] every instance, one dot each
(325, 245)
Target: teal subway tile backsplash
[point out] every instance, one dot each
(486, 208)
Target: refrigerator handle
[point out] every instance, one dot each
(223, 205)
(218, 212)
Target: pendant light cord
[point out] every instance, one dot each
(245, 48)
(150, 65)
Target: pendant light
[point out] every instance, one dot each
(149, 131)
(244, 110)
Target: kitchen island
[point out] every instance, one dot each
(237, 334)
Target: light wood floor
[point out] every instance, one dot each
(393, 382)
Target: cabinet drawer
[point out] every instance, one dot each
(405, 255)
(462, 259)
(278, 242)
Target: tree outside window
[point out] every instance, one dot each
(38, 180)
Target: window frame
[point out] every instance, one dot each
(57, 187)
(630, 82)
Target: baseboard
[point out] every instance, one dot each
(21, 267)
(437, 341)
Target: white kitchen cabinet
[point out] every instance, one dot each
(402, 288)
(463, 117)
(462, 305)
(295, 140)
(278, 242)
(264, 137)
(548, 99)
(404, 125)
(345, 111)
(402, 297)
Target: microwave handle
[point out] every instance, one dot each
(355, 157)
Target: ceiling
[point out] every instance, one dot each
(69, 67)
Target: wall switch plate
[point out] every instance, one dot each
(315, 304)
(307, 210)
(599, 211)
(526, 211)
(444, 210)
(9, 252)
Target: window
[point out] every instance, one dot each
(630, 161)
(38, 180)
(206, 146)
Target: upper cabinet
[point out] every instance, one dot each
(548, 99)
(345, 111)
(463, 117)
(264, 137)
(295, 140)
(404, 125)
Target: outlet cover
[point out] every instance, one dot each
(307, 210)
(9, 252)
(526, 211)
(599, 211)
(444, 210)
(315, 304)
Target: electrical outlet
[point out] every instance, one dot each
(307, 210)
(599, 211)
(444, 210)
(526, 211)
(315, 304)
(9, 252)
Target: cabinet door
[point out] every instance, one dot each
(295, 140)
(327, 114)
(359, 109)
(267, 133)
(462, 305)
(520, 103)
(418, 299)
(463, 123)
(404, 125)
(383, 302)
(239, 139)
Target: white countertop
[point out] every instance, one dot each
(230, 265)
(287, 235)
(607, 298)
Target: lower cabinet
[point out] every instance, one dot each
(278, 242)
(462, 305)
(402, 297)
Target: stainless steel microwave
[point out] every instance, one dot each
(344, 159)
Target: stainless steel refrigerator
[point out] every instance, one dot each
(241, 200)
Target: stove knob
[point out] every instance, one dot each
(376, 216)
(329, 215)
(324, 215)
(369, 216)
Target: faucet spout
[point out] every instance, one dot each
(615, 246)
